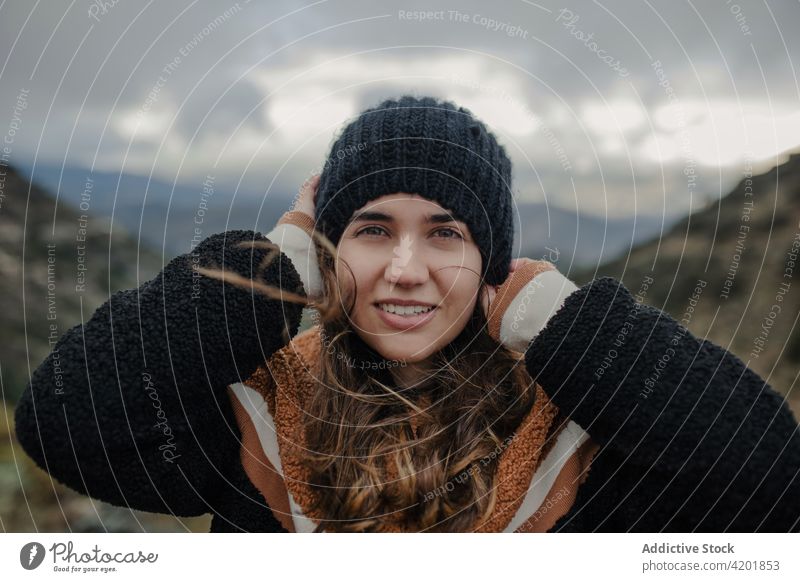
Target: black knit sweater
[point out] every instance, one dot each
(131, 406)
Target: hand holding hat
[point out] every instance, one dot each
(519, 308)
(294, 236)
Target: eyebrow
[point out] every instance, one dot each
(381, 217)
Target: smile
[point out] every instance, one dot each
(405, 309)
(405, 317)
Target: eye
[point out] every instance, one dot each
(453, 231)
(367, 228)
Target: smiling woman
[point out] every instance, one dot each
(443, 387)
(418, 273)
(409, 273)
(412, 222)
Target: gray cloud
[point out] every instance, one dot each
(98, 83)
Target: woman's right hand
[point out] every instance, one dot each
(294, 236)
(307, 197)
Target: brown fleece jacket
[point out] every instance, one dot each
(269, 408)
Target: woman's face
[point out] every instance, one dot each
(405, 249)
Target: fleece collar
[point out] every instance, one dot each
(539, 470)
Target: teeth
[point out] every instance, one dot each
(404, 309)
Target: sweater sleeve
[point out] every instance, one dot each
(673, 405)
(131, 406)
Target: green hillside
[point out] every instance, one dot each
(57, 265)
(725, 267)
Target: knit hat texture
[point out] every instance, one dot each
(428, 147)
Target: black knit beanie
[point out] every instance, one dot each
(428, 147)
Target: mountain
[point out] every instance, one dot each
(580, 239)
(163, 215)
(57, 266)
(741, 255)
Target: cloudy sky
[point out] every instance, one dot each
(611, 108)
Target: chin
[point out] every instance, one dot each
(409, 352)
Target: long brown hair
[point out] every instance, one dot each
(370, 469)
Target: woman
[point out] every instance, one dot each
(411, 405)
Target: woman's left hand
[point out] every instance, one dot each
(488, 292)
(538, 283)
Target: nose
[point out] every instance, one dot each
(407, 266)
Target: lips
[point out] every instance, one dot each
(401, 309)
(405, 322)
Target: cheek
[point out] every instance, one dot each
(346, 265)
(461, 285)
(354, 273)
(461, 302)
